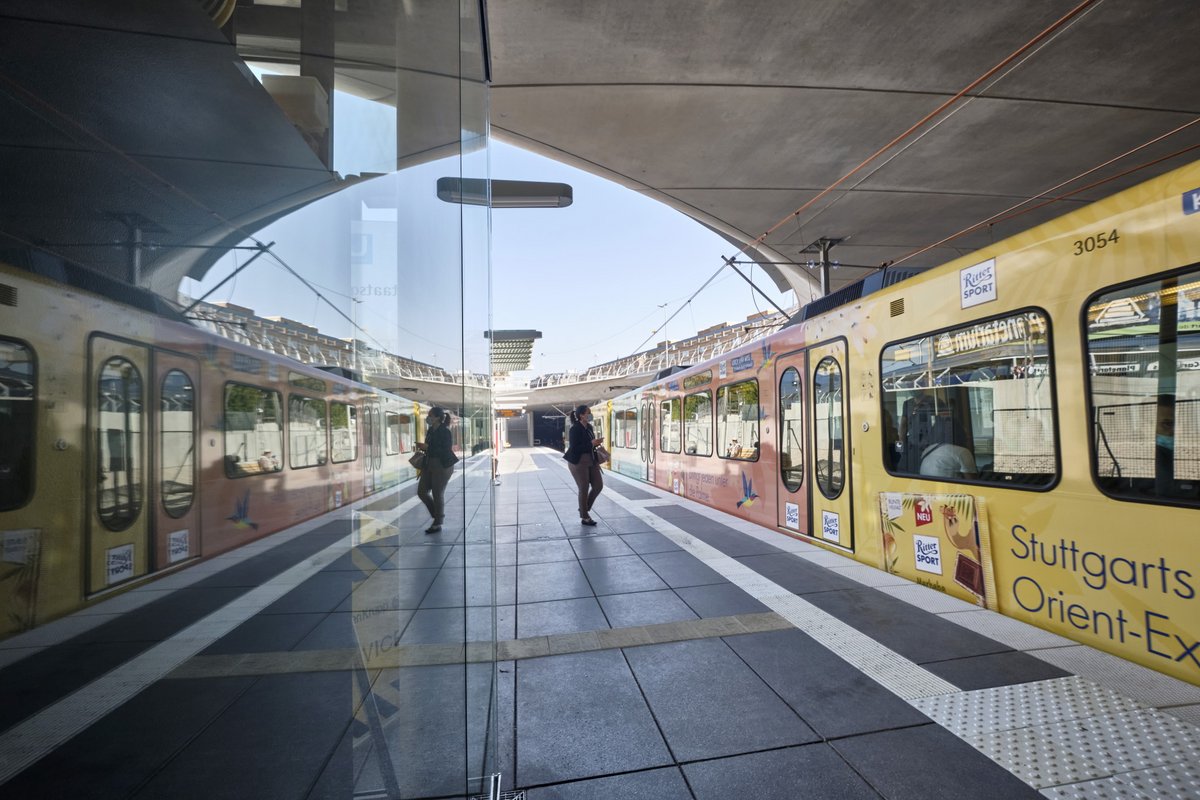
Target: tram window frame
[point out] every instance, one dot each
(673, 407)
(1007, 479)
(1142, 489)
(831, 492)
(24, 427)
(351, 429)
(625, 427)
(294, 451)
(688, 423)
(394, 438)
(130, 458)
(753, 445)
(188, 462)
(231, 460)
(794, 470)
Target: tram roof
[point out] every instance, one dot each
(735, 112)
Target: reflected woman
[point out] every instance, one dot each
(581, 456)
(438, 467)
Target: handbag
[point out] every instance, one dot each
(417, 459)
(601, 455)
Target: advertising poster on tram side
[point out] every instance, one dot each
(938, 540)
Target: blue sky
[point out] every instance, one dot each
(597, 278)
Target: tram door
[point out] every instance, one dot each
(372, 451)
(118, 538)
(829, 459)
(792, 512)
(648, 440)
(175, 509)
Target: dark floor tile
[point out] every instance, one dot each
(797, 575)
(361, 559)
(645, 608)
(649, 542)
(559, 616)
(582, 716)
(397, 588)
(929, 762)
(355, 630)
(627, 491)
(265, 633)
(436, 626)
(833, 697)
(295, 722)
(621, 574)
(915, 634)
(653, 784)
(420, 556)
(720, 600)
(682, 569)
(711, 532)
(708, 703)
(119, 752)
(544, 552)
(600, 547)
(323, 592)
(812, 772)
(997, 669)
(564, 580)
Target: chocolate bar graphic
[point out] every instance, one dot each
(968, 574)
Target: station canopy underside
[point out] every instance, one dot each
(736, 112)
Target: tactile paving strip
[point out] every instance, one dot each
(1103, 789)
(971, 715)
(1166, 781)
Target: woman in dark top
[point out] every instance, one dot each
(581, 455)
(438, 467)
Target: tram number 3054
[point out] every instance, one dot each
(1097, 242)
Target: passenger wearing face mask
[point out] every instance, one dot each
(581, 456)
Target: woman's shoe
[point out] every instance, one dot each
(433, 529)
(587, 521)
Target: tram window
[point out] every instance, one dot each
(343, 428)
(828, 439)
(697, 424)
(395, 435)
(18, 377)
(737, 421)
(177, 443)
(973, 403)
(253, 430)
(1144, 389)
(791, 431)
(669, 426)
(119, 444)
(625, 428)
(306, 432)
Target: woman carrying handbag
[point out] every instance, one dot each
(437, 467)
(584, 464)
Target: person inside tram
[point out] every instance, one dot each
(732, 449)
(267, 462)
(946, 459)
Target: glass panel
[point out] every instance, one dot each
(791, 431)
(972, 403)
(343, 428)
(393, 433)
(177, 454)
(828, 444)
(670, 426)
(1144, 378)
(18, 384)
(253, 430)
(306, 432)
(697, 424)
(737, 421)
(119, 444)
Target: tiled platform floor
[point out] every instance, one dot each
(670, 652)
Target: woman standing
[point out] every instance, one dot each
(581, 455)
(438, 467)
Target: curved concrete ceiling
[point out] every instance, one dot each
(740, 112)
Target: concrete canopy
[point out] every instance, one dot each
(739, 112)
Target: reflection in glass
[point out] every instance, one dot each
(737, 420)
(828, 444)
(791, 432)
(697, 424)
(17, 392)
(177, 447)
(119, 444)
(1144, 377)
